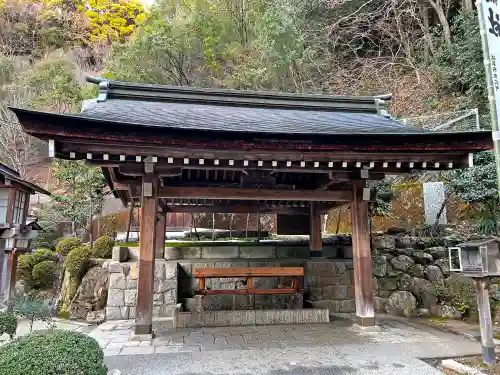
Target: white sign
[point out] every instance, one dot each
(491, 20)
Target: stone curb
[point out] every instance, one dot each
(74, 322)
(451, 364)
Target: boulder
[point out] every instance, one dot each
(495, 292)
(422, 289)
(433, 273)
(402, 262)
(437, 252)
(401, 303)
(403, 242)
(408, 251)
(96, 316)
(384, 242)
(404, 281)
(388, 283)
(444, 266)
(392, 272)
(417, 270)
(445, 311)
(92, 293)
(379, 265)
(423, 258)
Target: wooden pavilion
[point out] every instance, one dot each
(180, 149)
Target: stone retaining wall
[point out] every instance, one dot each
(405, 270)
(122, 292)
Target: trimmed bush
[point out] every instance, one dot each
(52, 352)
(27, 262)
(103, 247)
(8, 324)
(65, 245)
(44, 274)
(77, 261)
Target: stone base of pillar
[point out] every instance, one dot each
(146, 329)
(315, 253)
(365, 322)
(370, 329)
(141, 337)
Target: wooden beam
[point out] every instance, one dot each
(254, 194)
(485, 324)
(315, 240)
(239, 209)
(149, 211)
(10, 279)
(363, 289)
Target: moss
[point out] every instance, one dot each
(65, 245)
(77, 261)
(44, 274)
(103, 247)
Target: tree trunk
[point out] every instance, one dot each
(443, 21)
(258, 227)
(428, 44)
(231, 226)
(338, 221)
(193, 226)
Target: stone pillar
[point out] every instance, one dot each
(362, 261)
(149, 211)
(161, 226)
(315, 240)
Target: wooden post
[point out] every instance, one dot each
(144, 309)
(315, 240)
(161, 226)
(10, 280)
(485, 324)
(363, 290)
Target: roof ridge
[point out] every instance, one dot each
(110, 89)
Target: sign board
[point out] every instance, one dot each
(491, 21)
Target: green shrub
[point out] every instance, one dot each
(103, 247)
(52, 352)
(457, 291)
(77, 261)
(27, 262)
(65, 245)
(8, 324)
(46, 239)
(44, 274)
(32, 310)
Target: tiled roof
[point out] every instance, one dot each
(242, 119)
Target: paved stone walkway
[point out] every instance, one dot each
(115, 338)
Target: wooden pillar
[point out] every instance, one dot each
(485, 324)
(149, 211)
(161, 226)
(10, 280)
(362, 260)
(315, 240)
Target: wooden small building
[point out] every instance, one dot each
(17, 230)
(180, 149)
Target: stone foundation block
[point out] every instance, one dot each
(222, 252)
(293, 252)
(130, 297)
(170, 297)
(131, 284)
(117, 281)
(159, 270)
(116, 298)
(348, 305)
(173, 253)
(167, 310)
(170, 271)
(125, 311)
(134, 271)
(191, 252)
(249, 252)
(332, 305)
(157, 299)
(119, 254)
(113, 313)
